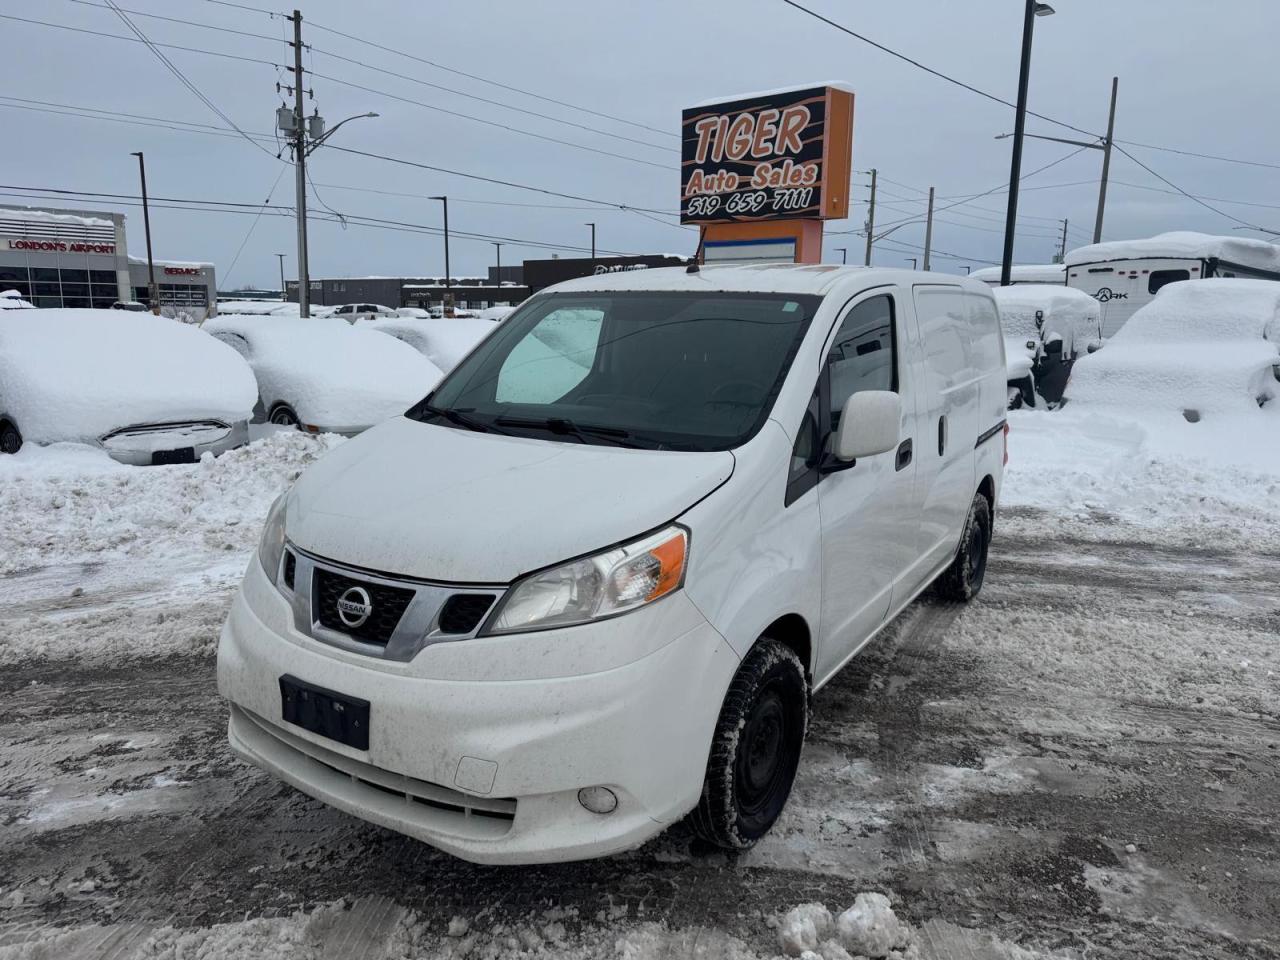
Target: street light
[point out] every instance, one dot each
(593, 238)
(1033, 10)
(844, 254)
(153, 300)
(283, 292)
(913, 260)
(447, 305)
(497, 246)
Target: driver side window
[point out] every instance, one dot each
(863, 354)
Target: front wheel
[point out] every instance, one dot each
(10, 438)
(282, 415)
(756, 748)
(962, 580)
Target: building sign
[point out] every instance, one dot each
(543, 273)
(182, 271)
(61, 246)
(782, 155)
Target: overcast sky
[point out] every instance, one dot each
(1191, 78)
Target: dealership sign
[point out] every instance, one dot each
(783, 155)
(61, 246)
(182, 271)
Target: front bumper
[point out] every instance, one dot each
(489, 769)
(139, 448)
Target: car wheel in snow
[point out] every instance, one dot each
(1015, 398)
(963, 579)
(756, 748)
(10, 438)
(283, 415)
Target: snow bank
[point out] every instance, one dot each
(1070, 313)
(869, 928)
(12, 300)
(1198, 367)
(332, 374)
(1181, 245)
(78, 374)
(259, 308)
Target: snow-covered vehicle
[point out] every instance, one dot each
(442, 341)
(1124, 275)
(1046, 329)
(325, 375)
(1023, 273)
(13, 300)
(351, 312)
(259, 308)
(143, 388)
(130, 306)
(1204, 352)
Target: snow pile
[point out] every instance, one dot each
(495, 314)
(259, 308)
(452, 338)
(78, 374)
(868, 929)
(332, 374)
(12, 300)
(1068, 313)
(1198, 368)
(1024, 273)
(1181, 245)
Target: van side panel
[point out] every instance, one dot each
(984, 318)
(953, 420)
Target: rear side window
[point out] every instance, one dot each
(945, 328)
(862, 354)
(1162, 278)
(984, 322)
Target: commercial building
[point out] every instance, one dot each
(80, 258)
(469, 293)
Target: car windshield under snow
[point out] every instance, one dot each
(685, 371)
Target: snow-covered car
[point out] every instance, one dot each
(259, 308)
(325, 375)
(13, 300)
(442, 341)
(1047, 327)
(130, 306)
(143, 388)
(351, 312)
(1203, 351)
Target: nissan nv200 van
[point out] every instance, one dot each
(589, 584)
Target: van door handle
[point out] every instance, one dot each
(942, 434)
(904, 454)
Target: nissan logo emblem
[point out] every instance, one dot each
(354, 606)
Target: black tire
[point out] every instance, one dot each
(283, 415)
(962, 581)
(755, 750)
(10, 438)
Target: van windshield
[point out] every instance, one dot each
(677, 371)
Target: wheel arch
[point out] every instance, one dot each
(792, 631)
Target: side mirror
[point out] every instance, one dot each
(1053, 346)
(869, 424)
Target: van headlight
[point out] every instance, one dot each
(606, 584)
(271, 546)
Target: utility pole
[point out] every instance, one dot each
(1033, 10)
(871, 216)
(284, 294)
(593, 238)
(153, 299)
(1106, 161)
(498, 247)
(300, 168)
(447, 304)
(1062, 247)
(928, 231)
(844, 254)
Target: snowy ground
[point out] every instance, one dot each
(1084, 763)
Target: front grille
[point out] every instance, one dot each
(463, 612)
(389, 604)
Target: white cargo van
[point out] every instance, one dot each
(1123, 275)
(587, 585)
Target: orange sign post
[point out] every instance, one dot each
(760, 173)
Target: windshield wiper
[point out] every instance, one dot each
(564, 426)
(461, 419)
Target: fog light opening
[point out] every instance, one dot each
(599, 800)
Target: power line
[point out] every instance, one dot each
(491, 123)
(254, 225)
(88, 113)
(1242, 203)
(927, 69)
(186, 22)
(494, 83)
(1201, 156)
(1191, 197)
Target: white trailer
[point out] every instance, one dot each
(1023, 273)
(1124, 275)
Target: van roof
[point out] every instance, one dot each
(754, 278)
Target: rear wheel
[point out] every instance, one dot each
(756, 748)
(10, 438)
(283, 415)
(963, 579)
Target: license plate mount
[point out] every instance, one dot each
(332, 715)
(180, 455)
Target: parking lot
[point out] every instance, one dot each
(1083, 763)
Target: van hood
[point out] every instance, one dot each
(446, 504)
